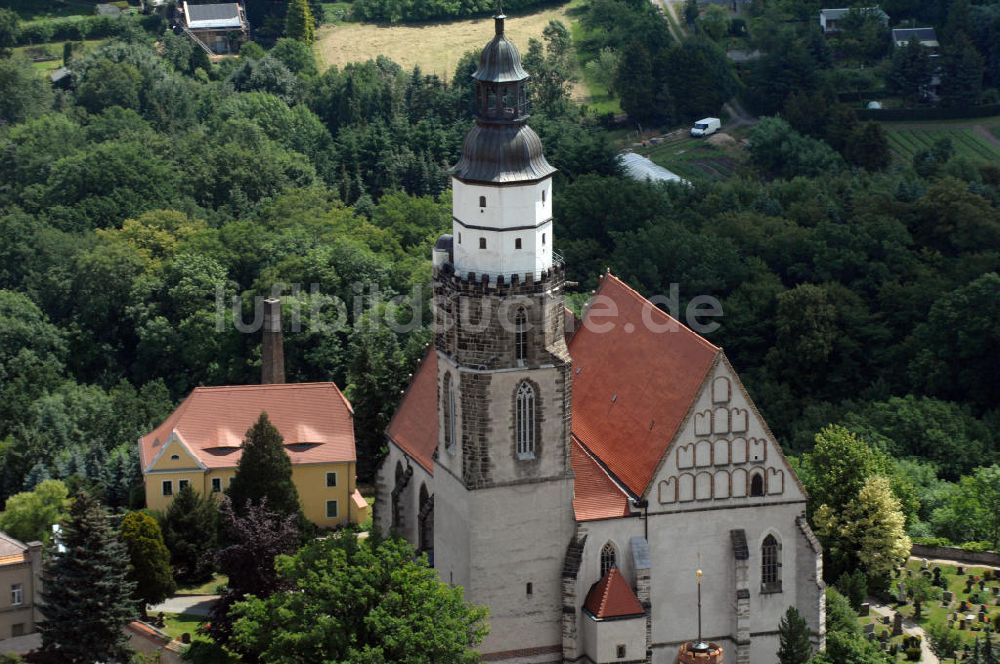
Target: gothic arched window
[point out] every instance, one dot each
(397, 517)
(449, 413)
(770, 566)
(521, 335)
(524, 421)
(757, 485)
(609, 558)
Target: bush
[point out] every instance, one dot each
(913, 654)
(76, 28)
(409, 11)
(976, 547)
(932, 541)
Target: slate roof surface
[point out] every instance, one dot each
(611, 597)
(314, 419)
(223, 15)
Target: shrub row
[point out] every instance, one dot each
(76, 28)
(415, 11)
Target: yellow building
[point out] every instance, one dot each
(200, 444)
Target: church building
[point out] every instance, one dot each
(592, 482)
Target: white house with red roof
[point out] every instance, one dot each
(575, 480)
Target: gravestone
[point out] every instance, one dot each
(947, 596)
(897, 624)
(960, 571)
(869, 628)
(865, 609)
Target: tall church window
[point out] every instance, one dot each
(757, 485)
(770, 572)
(609, 558)
(521, 336)
(449, 413)
(524, 421)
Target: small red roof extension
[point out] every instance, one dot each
(314, 419)
(611, 597)
(633, 385)
(414, 426)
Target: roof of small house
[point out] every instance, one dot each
(10, 546)
(611, 597)
(108, 9)
(222, 15)
(315, 421)
(902, 35)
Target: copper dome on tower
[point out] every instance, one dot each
(500, 61)
(501, 148)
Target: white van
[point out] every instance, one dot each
(706, 127)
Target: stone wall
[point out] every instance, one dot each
(957, 554)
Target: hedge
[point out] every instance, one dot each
(77, 28)
(929, 113)
(415, 11)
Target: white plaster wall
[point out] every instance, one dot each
(602, 638)
(409, 498)
(451, 528)
(450, 459)
(519, 534)
(506, 208)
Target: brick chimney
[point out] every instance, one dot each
(272, 351)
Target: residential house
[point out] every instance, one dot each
(217, 28)
(20, 582)
(200, 443)
(830, 19)
(926, 36)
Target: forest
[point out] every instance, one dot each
(139, 204)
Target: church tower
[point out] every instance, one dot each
(503, 480)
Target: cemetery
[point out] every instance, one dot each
(961, 602)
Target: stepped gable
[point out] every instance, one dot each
(414, 426)
(611, 597)
(315, 421)
(633, 385)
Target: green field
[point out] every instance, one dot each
(588, 91)
(53, 51)
(694, 158)
(908, 140)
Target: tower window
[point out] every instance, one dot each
(543, 195)
(609, 558)
(770, 566)
(460, 238)
(521, 335)
(543, 239)
(524, 421)
(482, 243)
(529, 589)
(517, 243)
(482, 201)
(449, 413)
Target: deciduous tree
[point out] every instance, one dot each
(29, 516)
(150, 569)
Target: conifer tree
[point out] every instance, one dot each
(190, 530)
(299, 22)
(151, 571)
(87, 598)
(264, 472)
(793, 638)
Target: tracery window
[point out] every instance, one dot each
(524, 421)
(770, 566)
(609, 558)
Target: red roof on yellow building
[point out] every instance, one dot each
(314, 419)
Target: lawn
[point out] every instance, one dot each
(435, 47)
(587, 90)
(180, 623)
(336, 13)
(906, 139)
(695, 158)
(208, 588)
(55, 51)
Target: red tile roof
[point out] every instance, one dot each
(595, 495)
(633, 385)
(414, 426)
(611, 597)
(315, 420)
